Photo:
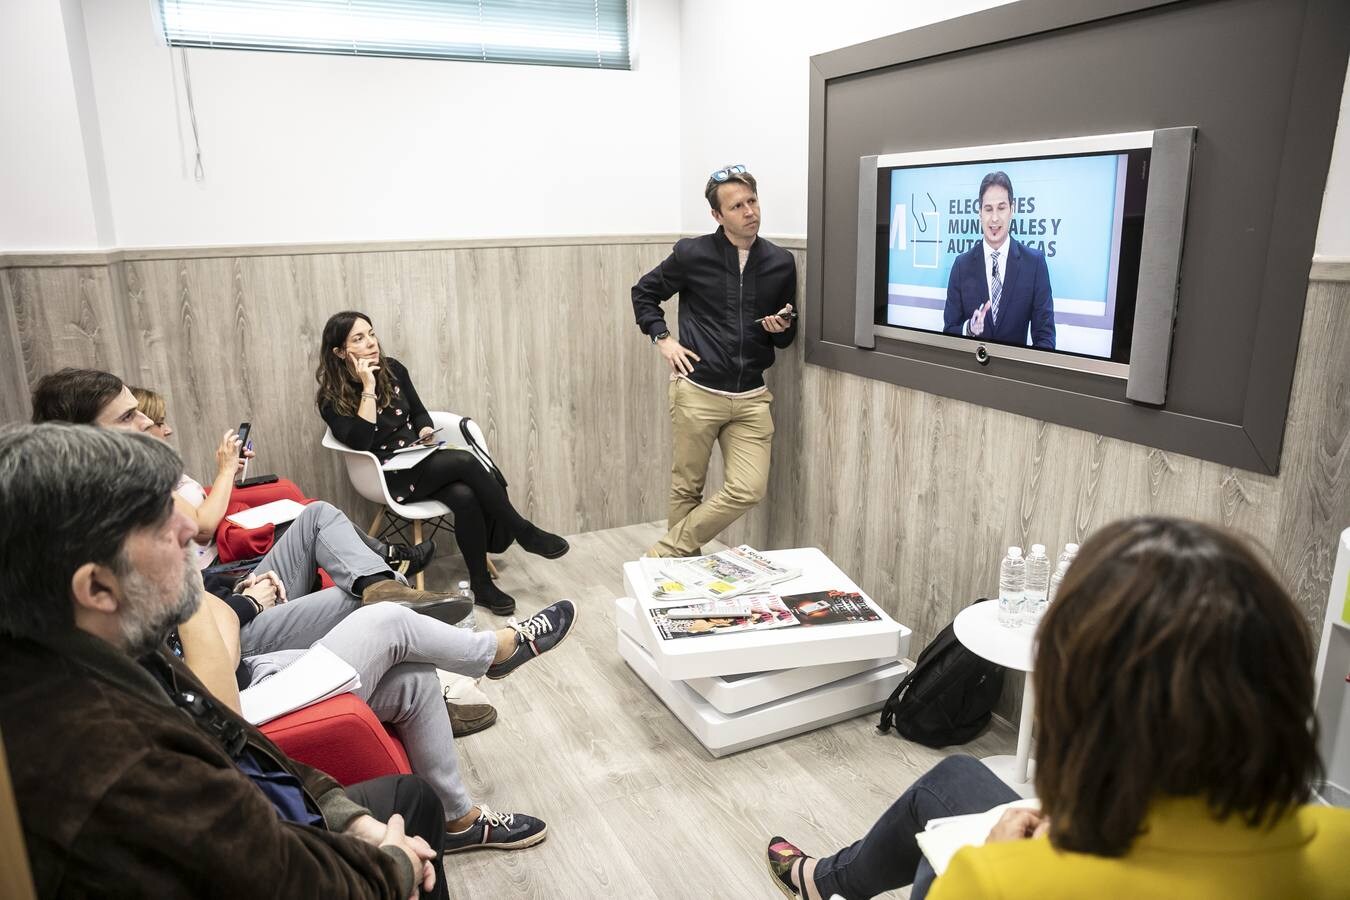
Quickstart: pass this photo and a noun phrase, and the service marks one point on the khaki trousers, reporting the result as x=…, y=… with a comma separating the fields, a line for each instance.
x=744, y=430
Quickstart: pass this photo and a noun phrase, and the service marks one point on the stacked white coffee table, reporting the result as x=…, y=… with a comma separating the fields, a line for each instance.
x=737, y=691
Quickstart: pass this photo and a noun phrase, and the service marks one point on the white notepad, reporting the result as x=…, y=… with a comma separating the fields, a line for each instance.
x=273, y=513
x=317, y=675
x=941, y=838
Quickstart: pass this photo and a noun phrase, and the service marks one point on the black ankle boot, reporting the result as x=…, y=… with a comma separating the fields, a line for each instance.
x=541, y=543
x=486, y=593
x=408, y=561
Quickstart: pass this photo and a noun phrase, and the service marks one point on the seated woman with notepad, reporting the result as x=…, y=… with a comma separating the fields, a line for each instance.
x=369, y=402
x=1175, y=748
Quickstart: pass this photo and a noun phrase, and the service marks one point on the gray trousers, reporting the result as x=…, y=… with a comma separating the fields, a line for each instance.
x=397, y=652
x=320, y=537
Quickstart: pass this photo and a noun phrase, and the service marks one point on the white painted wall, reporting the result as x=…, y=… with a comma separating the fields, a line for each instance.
x=746, y=78
x=300, y=147
x=47, y=197
x=97, y=149
x=746, y=82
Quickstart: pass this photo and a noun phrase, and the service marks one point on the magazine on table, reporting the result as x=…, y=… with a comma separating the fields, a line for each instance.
x=715, y=576
x=831, y=607
x=767, y=611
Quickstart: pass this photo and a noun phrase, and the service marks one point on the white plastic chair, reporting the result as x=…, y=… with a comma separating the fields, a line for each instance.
x=363, y=468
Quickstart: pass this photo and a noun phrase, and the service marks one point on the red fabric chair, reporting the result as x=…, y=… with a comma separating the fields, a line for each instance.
x=234, y=542
x=342, y=737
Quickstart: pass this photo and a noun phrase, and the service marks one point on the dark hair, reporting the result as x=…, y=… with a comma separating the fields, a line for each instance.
x=74, y=395
x=337, y=387
x=1170, y=664
x=996, y=179
x=70, y=495
x=710, y=189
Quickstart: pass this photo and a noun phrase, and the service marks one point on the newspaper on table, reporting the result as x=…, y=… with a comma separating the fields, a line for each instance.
x=767, y=611
x=716, y=576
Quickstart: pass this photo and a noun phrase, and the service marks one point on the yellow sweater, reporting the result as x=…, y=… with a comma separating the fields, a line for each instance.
x=1183, y=855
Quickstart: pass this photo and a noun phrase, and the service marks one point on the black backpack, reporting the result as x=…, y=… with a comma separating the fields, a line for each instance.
x=948, y=698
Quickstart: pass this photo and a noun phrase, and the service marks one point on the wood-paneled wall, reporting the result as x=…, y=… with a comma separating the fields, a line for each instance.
x=537, y=343
x=913, y=494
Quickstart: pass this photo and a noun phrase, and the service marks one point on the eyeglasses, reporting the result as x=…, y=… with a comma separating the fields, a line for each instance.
x=721, y=175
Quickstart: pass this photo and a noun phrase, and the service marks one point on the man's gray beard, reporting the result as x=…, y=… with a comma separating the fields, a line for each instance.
x=146, y=620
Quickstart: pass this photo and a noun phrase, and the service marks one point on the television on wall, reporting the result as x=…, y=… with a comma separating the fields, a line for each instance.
x=1062, y=252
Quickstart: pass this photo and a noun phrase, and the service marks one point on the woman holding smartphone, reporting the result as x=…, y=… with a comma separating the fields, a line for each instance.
x=369, y=402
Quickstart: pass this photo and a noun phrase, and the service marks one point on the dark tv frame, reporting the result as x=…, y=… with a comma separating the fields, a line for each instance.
x=1241, y=420
x=1159, y=260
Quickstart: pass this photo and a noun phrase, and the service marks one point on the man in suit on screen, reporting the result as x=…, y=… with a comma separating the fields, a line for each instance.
x=999, y=290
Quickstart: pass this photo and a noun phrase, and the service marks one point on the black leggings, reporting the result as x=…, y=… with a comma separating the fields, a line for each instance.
x=485, y=520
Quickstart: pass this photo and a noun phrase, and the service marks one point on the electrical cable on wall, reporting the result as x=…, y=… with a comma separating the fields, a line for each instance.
x=198, y=171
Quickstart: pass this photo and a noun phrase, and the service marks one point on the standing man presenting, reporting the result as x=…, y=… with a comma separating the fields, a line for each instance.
x=736, y=291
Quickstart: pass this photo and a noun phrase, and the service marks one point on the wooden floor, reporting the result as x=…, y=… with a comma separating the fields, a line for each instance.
x=635, y=806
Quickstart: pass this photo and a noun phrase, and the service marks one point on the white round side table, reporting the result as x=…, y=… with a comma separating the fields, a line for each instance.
x=977, y=628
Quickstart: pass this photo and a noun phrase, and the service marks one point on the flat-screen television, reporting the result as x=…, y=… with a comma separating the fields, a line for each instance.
x=1030, y=251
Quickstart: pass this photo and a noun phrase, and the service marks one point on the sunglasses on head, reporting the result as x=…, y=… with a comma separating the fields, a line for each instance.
x=723, y=174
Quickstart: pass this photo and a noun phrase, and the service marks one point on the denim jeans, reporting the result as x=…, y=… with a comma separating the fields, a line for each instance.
x=889, y=857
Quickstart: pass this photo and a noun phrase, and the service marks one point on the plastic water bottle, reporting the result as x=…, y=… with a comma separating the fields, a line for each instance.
x=470, y=621
x=1066, y=557
x=1055, y=580
x=1037, y=585
x=1012, y=581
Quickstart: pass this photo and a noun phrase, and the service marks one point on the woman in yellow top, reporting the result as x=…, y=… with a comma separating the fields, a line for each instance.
x=1175, y=747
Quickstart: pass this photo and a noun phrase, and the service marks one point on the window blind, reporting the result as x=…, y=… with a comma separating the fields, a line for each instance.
x=586, y=33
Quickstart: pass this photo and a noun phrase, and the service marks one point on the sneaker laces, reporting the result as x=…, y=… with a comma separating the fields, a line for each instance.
x=536, y=625
x=496, y=819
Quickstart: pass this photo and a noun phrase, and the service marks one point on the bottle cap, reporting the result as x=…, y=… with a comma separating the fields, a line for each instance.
x=1014, y=552
x=463, y=585
x=1038, y=548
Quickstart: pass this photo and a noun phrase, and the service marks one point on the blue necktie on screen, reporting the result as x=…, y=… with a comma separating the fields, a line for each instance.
x=995, y=290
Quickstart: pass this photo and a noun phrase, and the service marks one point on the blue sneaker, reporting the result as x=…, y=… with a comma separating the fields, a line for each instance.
x=537, y=635
x=497, y=831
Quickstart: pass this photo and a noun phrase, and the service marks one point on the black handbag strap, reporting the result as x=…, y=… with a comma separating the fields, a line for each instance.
x=480, y=451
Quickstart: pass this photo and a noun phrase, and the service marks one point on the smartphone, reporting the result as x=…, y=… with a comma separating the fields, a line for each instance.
x=791, y=314
x=243, y=431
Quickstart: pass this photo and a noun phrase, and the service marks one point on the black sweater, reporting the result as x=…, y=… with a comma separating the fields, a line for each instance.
x=395, y=426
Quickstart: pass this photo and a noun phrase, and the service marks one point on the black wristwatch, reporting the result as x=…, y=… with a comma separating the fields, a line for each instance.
x=660, y=337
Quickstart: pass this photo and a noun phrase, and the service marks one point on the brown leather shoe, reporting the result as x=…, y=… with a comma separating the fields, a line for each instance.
x=445, y=607
x=467, y=718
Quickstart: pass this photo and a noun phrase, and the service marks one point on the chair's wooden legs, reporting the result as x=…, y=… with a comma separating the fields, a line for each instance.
x=378, y=523
x=417, y=539
x=492, y=570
